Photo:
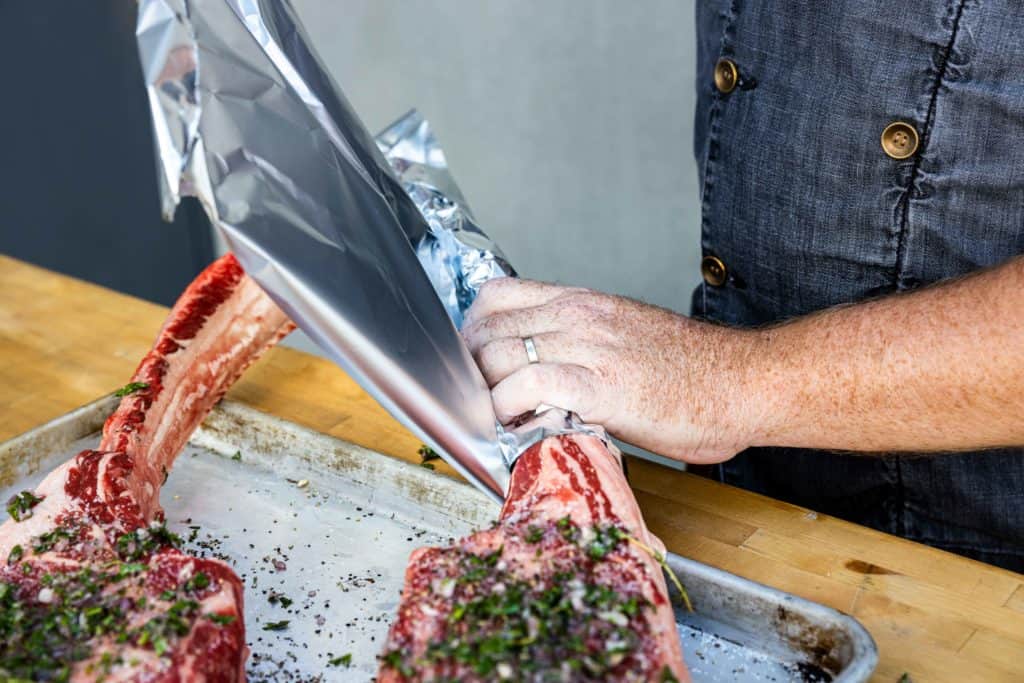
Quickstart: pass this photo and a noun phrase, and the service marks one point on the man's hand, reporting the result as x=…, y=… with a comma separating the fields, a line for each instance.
x=938, y=369
x=656, y=379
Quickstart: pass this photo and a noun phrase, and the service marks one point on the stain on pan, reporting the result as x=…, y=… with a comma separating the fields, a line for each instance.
x=824, y=644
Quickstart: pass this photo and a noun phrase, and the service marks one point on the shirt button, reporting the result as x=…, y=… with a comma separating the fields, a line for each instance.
x=899, y=140
x=726, y=75
x=713, y=270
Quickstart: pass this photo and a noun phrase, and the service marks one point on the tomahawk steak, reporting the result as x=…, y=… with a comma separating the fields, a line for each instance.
x=92, y=585
x=567, y=586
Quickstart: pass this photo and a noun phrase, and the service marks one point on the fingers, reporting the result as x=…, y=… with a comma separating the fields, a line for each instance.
x=525, y=322
x=571, y=387
x=507, y=310
x=501, y=357
x=508, y=294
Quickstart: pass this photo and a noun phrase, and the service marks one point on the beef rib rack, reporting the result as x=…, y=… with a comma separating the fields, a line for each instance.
x=92, y=585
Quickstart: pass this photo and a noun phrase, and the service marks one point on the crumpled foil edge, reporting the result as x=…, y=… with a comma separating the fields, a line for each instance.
x=459, y=258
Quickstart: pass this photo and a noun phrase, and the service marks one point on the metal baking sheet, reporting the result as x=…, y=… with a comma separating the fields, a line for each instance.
x=320, y=531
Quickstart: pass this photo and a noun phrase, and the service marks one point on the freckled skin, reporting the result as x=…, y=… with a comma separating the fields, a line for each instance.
x=937, y=369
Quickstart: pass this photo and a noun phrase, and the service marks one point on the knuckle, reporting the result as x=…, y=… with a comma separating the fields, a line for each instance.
x=534, y=382
x=490, y=355
x=606, y=369
x=573, y=297
x=488, y=292
x=485, y=327
x=605, y=304
x=566, y=375
x=586, y=301
x=493, y=325
x=603, y=330
x=532, y=379
x=569, y=308
x=495, y=284
x=471, y=334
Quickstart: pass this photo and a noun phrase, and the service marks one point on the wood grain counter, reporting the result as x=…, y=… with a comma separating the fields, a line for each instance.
x=936, y=616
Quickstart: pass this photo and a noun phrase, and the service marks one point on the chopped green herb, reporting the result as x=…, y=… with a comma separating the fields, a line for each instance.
x=142, y=543
x=20, y=505
x=222, y=619
x=237, y=455
x=905, y=678
x=276, y=625
x=503, y=627
x=427, y=454
x=131, y=388
x=54, y=538
x=15, y=555
x=43, y=638
x=427, y=465
x=606, y=539
x=569, y=531
x=175, y=622
x=107, y=662
x=396, y=660
x=344, y=660
x=276, y=598
x=129, y=569
x=198, y=582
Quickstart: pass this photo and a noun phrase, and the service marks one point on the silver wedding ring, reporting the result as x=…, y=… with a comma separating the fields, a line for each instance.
x=531, y=350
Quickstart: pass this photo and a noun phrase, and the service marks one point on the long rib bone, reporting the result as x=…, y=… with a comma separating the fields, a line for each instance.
x=94, y=586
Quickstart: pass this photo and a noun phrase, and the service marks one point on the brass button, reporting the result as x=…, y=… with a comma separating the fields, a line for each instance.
x=726, y=75
x=713, y=270
x=899, y=140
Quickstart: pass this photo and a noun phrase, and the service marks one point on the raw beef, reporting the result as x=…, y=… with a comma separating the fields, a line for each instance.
x=93, y=586
x=566, y=586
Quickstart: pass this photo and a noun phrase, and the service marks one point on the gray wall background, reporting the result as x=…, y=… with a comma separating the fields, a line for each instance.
x=567, y=124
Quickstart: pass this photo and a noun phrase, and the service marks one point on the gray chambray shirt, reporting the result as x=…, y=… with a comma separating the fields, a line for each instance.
x=849, y=149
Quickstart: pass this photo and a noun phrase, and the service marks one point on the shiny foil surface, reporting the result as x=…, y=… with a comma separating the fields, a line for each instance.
x=367, y=244
x=455, y=253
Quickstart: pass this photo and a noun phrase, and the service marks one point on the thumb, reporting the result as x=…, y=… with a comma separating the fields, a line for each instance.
x=571, y=387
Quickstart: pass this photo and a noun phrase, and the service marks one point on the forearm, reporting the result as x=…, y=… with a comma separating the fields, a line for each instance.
x=937, y=369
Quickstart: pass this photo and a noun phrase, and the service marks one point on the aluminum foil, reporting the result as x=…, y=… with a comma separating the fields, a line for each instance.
x=459, y=258
x=455, y=253
x=370, y=249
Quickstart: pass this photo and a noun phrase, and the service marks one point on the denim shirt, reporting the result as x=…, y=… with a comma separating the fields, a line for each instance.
x=806, y=210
